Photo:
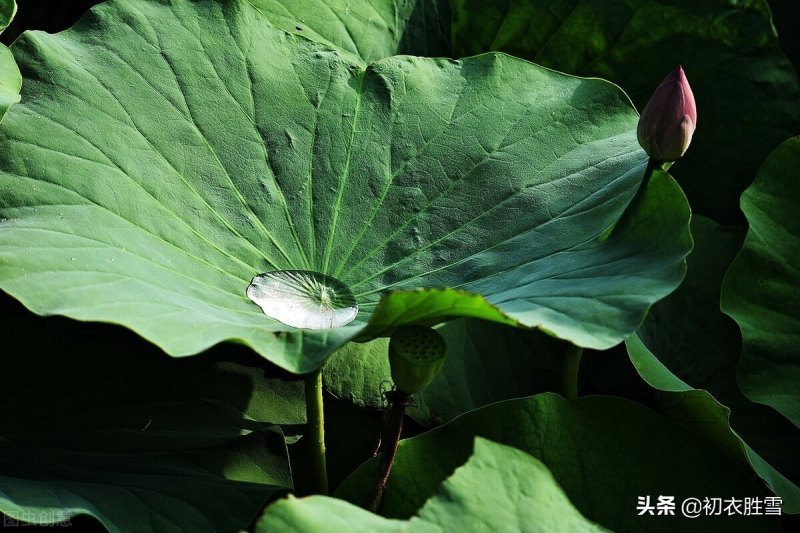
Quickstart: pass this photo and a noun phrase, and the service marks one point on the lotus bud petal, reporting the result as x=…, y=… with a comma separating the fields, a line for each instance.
x=669, y=119
x=416, y=355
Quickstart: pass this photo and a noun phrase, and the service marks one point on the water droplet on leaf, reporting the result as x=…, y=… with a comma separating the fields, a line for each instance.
x=303, y=299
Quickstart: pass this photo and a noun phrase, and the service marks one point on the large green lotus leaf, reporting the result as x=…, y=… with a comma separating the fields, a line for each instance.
x=369, y=31
x=489, y=362
x=762, y=287
x=166, y=153
x=486, y=362
x=747, y=93
x=746, y=90
x=498, y=487
x=136, y=439
x=10, y=79
x=604, y=452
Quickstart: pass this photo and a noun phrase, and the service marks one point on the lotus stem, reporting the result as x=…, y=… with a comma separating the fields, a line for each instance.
x=572, y=365
x=316, y=432
x=390, y=437
x=652, y=166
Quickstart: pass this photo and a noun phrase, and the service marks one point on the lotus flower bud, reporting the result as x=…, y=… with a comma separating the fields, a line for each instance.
x=416, y=355
x=669, y=119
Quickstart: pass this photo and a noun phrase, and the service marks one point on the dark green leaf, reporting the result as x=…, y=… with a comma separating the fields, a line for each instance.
x=762, y=288
x=351, y=437
x=700, y=411
x=687, y=330
x=687, y=343
x=138, y=440
x=8, y=8
x=604, y=452
x=486, y=362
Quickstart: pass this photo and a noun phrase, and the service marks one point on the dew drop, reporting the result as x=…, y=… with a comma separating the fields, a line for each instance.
x=303, y=299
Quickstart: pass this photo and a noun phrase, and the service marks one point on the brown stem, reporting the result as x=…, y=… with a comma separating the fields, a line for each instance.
x=390, y=437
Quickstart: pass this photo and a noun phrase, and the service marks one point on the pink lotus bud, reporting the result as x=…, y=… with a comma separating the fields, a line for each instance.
x=669, y=119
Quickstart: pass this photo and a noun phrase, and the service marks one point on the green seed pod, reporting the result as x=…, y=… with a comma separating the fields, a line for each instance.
x=416, y=355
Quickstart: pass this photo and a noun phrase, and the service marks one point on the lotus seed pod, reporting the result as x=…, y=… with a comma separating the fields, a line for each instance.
x=669, y=119
x=416, y=355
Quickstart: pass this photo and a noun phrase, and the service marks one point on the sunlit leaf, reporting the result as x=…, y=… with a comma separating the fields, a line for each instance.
x=747, y=92
x=164, y=155
x=369, y=31
x=498, y=487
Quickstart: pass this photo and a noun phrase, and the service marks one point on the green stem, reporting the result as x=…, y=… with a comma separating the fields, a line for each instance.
x=316, y=432
x=572, y=365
